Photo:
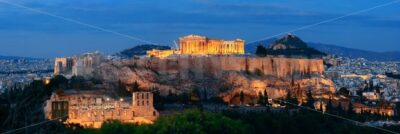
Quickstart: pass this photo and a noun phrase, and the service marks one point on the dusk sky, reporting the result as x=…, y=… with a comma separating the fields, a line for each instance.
x=27, y=33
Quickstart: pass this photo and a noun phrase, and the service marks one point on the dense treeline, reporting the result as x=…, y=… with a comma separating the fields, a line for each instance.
x=141, y=50
x=298, y=122
x=392, y=75
x=23, y=107
x=188, y=122
x=228, y=122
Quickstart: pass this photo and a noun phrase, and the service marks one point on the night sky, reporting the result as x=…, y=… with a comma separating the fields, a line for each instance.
x=27, y=33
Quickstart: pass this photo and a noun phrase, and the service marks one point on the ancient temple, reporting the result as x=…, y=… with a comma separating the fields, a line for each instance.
x=201, y=45
x=195, y=44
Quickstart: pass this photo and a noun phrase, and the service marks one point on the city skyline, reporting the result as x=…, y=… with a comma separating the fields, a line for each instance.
x=26, y=33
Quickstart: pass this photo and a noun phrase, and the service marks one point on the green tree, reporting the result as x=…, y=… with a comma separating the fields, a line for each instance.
x=291, y=100
x=261, y=98
x=158, y=101
x=266, y=97
x=259, y=72
x=339, y=108
x=205, y=96
x=350, y=109
x=188, y=122
x=344, y=91
x=77, y=82
x=321, y=107
x=310, y=100
x=196, y=121
x=241, y=97
x=57, y=82
x=261, y=51
x=329, y=106
x=397, y=109
x=135, y=87
x=195, y=95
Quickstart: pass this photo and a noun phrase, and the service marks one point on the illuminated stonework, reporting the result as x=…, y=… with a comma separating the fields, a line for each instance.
x=63, y=65
x=195, y=44
x=90, y=109
x=161, y=53
x=81, y=65
x=201, y=45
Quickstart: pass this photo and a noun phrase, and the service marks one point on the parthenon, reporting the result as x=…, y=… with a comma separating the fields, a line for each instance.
x=201, y=45
x=195, y=44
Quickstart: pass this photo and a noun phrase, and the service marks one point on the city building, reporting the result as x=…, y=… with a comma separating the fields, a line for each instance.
x=63, y=65
x=18, y=73
x=91, y=108
x=201, y=45
x=86, y=63
x=161, y=53
x=81, y=65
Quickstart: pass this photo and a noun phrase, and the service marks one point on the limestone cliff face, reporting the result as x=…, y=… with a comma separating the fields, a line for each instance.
x=116, y=71
x=275, y=88
x=215, y=66
x=223, y=76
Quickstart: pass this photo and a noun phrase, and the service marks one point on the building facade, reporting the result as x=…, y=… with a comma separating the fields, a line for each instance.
x=161, y=53
x=201, y=45
x=90, y=108
x=86, y=63
x=63, y=65
x=81, y=65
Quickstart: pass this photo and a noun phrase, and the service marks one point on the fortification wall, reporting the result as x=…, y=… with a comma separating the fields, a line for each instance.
x=272, y=66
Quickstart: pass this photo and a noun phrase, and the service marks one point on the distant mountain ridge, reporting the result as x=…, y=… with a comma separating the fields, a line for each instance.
x=336, y=50
x=356, y=53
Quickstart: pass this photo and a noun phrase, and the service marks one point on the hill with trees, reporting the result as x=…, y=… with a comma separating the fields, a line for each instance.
x=289, y=46
x=140, y=50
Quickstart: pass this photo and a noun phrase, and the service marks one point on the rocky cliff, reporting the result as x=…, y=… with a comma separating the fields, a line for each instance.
x=223, y=76
x=216, y=66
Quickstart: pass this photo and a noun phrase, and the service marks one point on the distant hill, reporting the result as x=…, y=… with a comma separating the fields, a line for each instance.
x=289, y=46
x=288, y=41
x=336, y=50
x=252, y=47
x=356, y=53
x=140, y=50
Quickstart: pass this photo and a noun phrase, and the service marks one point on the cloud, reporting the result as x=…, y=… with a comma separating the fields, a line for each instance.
x=181, y=14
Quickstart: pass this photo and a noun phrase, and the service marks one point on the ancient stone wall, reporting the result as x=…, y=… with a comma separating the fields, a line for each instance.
x=200, y=66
